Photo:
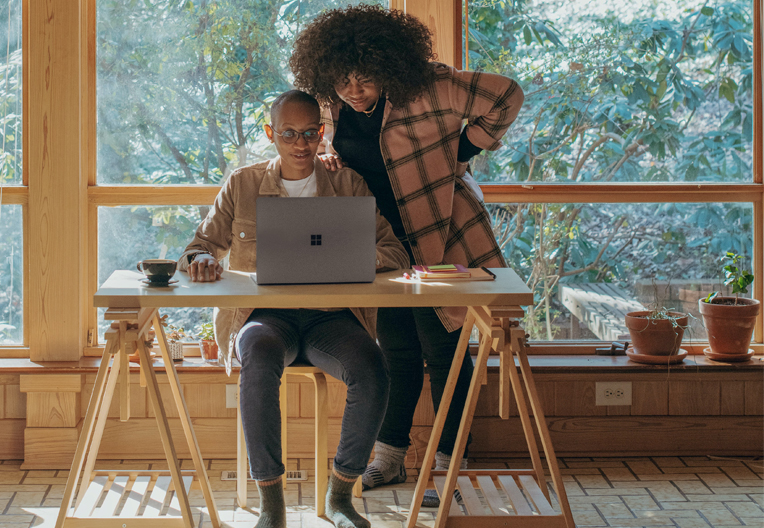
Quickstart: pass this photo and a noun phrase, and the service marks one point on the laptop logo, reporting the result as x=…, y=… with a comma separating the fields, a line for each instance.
x=315, y=240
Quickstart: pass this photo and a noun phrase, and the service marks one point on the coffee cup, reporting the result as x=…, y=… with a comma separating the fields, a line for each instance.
x=158, y=271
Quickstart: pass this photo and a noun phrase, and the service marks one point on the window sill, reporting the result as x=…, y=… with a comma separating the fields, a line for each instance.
x=540, y=364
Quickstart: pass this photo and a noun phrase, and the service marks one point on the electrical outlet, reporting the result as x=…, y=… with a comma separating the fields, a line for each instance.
x=231, y=396
x=613, y=393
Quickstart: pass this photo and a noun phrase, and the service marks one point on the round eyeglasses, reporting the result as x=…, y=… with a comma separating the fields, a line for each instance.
x=291, y=136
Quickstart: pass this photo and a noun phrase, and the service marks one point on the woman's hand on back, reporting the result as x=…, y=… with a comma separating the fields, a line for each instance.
x=204, y=268
x=332, y=162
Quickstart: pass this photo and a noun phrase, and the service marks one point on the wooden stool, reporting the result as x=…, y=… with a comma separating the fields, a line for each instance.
x=514, y=498
x=134, y=488
x=321, y=429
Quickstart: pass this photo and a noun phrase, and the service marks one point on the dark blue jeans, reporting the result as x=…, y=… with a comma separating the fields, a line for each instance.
x=410, y=337
x=337, y=344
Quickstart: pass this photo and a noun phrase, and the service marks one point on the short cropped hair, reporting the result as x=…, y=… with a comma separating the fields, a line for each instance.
x=293, y=96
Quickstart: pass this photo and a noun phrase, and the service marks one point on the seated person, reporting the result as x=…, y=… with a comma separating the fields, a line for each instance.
x=339, y=341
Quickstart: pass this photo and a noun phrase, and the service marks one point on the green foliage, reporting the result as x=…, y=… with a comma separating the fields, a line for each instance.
x=652, y=93
x=206, y=332
x=734, y=275
x=740, y=279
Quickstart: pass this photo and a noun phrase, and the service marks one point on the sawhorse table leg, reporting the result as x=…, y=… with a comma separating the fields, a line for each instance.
x=526, y=492
x=150, y=489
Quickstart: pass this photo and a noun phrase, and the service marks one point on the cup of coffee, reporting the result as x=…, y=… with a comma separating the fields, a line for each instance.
x=158, y=271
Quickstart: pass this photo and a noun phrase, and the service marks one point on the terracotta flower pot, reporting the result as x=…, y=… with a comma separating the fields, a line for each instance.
x=729, y=326
x=656, y=337
x=209, y=349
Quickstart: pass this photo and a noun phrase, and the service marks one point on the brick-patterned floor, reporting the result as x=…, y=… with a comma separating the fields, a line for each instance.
x=685, y=492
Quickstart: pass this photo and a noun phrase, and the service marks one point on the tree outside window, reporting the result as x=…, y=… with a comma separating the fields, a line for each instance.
x=635, y=92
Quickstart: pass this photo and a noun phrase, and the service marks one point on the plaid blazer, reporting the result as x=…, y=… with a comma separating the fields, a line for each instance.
x=444, y=221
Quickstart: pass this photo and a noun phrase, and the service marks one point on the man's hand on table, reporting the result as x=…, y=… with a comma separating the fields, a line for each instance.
x=204, y=268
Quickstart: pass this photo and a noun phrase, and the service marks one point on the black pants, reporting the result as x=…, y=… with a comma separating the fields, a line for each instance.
x=409, y=337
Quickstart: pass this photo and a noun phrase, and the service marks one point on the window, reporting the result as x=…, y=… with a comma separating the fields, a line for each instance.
x=626, y=102
x=183, y=92
x=11, y=174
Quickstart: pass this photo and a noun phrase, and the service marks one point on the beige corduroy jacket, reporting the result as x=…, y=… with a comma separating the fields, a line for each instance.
x=230, y=229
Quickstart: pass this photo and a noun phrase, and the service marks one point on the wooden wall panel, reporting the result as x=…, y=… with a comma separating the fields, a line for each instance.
x=15, y=402
x=626, y=436
x=50, y=383
x=53, y=409
x=293, y=399
x=547, y=391
x=732, y=400
x=49, y=448
x=207, y=400
x=337, y=394
x=488, y=403
x=618, y=410
x=754, y=398
x=138, y=401
x=424, y=414
x=2, y=402
x=169, y=403
x=576, y=398
x=694, y=398
x=648, y=429
x=12, y=439
x=649, y=398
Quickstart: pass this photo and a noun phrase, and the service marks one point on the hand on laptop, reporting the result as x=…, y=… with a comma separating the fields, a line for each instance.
x=204, y=268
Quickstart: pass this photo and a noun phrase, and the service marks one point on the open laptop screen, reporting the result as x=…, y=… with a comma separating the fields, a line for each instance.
x=324, y=239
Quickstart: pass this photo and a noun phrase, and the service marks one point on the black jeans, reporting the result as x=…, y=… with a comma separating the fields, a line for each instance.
x=409, y=337
x=337, y=344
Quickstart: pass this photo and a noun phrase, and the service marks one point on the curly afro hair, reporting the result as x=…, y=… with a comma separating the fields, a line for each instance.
x=391, y=49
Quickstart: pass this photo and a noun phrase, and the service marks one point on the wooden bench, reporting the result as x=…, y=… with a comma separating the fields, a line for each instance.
x=601, y=306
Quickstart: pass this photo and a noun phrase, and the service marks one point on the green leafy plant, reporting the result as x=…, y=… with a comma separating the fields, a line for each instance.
x=206, y=332
x=738, y=278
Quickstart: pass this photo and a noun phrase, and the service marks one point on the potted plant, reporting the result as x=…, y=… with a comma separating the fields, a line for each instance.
x=656, y=332
x=729, y=321
x=207, y=344
x=174, y=336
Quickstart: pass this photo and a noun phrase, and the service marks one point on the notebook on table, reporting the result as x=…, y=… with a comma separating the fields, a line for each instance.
x=323, y=239
x=451, y=273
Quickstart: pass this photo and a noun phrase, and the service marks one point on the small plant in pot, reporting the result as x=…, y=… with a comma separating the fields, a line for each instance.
x=657, y=332
x=207, y=344
x=175, y=338
x=730, y=321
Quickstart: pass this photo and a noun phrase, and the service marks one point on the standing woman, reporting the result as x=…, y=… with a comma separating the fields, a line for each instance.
x=398, y=119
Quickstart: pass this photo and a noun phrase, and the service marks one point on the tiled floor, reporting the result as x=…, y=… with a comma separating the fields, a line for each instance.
x=687, y=492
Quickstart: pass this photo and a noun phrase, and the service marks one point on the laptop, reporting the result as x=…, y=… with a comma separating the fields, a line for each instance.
x=323, y=239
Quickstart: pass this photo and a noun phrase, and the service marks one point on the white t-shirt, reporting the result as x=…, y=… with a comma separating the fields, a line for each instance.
x=301, y=188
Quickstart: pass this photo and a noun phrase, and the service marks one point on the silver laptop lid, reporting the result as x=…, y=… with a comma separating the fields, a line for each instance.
x=315, y=240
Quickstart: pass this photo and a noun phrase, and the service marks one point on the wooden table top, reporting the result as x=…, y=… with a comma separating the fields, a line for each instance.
x=124, y=289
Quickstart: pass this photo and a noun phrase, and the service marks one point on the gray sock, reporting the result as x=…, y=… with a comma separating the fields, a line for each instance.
x=388, y=466
x=442, y=461
x=339, y=504
x=272, y=506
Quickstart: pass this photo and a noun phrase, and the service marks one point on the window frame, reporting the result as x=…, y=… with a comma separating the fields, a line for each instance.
x=45, y=339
